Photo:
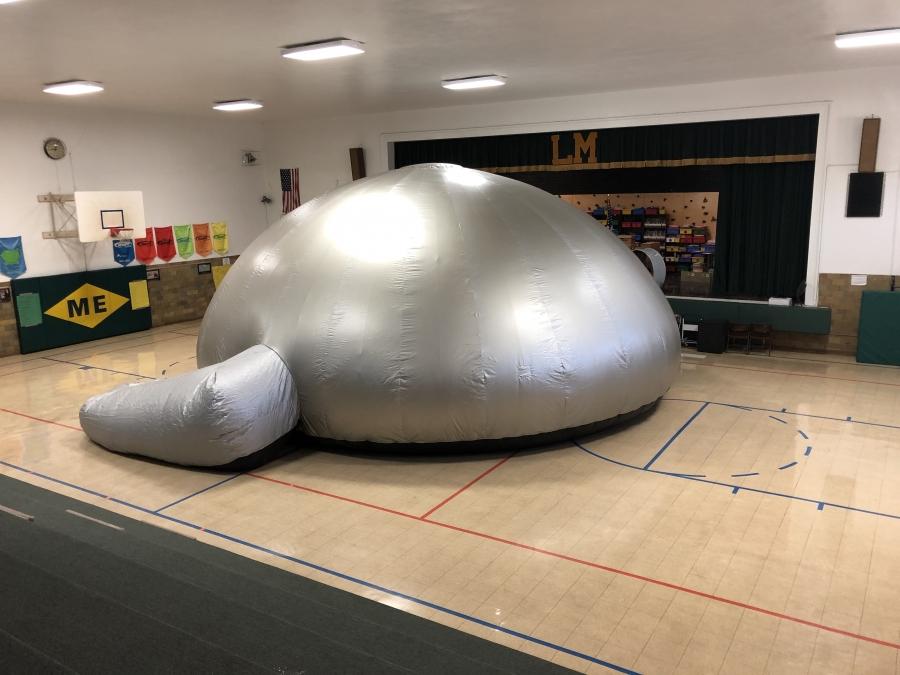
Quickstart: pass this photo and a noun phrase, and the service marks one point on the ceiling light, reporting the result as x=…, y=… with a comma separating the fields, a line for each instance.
x=325, y=49
x=239, y=104
x=869, y=38
x=72, y=87
x=477, y=82
x=7, y=2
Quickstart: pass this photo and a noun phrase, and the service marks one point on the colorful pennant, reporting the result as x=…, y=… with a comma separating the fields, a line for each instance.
x=165, y=243
x=202, y=240
x=184, y=240
x=145, y=248
x=220, y=237
x=123, y=251
x=12, y=257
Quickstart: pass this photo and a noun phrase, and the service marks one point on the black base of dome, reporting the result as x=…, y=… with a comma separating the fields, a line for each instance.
x=298, y=440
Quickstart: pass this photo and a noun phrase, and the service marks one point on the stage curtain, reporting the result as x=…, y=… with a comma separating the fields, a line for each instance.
x=721, y=142
x=763, y=230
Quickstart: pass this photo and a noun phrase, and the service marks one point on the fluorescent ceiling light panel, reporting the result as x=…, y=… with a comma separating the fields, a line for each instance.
x=869, y=38
x=325, y=49
x=238, y=105
x=477, y=82
x=7, y=2
x=72, y=87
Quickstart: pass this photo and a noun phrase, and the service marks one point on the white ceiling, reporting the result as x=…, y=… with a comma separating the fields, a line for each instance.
x=180, y=55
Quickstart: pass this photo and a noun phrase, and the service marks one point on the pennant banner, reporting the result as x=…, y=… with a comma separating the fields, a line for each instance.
x=145, y=248
x=123, y=251
x=184, y=240
x=220, y=237
x=202, y=240
x=12, y=257
x=165, y=242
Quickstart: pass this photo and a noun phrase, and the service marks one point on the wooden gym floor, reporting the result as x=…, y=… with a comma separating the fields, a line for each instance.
x=750, y=524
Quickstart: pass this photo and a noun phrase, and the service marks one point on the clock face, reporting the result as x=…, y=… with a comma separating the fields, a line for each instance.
x=54, y=148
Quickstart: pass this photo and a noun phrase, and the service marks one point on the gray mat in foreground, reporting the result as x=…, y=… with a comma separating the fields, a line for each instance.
x=76, y=596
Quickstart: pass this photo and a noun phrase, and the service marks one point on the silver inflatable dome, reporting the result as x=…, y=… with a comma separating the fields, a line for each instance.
x=431, y=304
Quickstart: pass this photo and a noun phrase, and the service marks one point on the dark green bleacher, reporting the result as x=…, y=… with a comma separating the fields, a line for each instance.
x=795, y=319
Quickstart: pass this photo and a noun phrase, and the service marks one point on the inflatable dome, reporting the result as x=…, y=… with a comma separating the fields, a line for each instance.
x=428, y=305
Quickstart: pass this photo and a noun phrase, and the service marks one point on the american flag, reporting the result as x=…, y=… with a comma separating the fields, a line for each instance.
x=290, y=189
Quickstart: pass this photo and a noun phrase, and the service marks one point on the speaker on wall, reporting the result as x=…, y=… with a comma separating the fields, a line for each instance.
x=357, y=163
x=865, y=194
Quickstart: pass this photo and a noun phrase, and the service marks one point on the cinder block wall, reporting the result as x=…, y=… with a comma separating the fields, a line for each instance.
x=181, y=294
x=9, y=337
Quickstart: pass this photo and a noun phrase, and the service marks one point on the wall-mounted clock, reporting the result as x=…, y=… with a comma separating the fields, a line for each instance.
x=54, y=148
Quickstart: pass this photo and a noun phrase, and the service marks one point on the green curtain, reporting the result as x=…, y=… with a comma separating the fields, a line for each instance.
x=758, y=137
x=762, y=233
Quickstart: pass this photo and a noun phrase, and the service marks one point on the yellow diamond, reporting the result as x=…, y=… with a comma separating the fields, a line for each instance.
x=87, y=306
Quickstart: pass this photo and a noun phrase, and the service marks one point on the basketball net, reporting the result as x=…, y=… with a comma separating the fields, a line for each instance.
x=121, y=233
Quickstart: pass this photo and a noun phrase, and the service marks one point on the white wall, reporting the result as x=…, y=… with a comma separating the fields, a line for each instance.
x=189, y=170
x=843, y=99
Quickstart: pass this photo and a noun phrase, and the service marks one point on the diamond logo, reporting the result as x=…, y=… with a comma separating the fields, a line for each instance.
x=87, y=306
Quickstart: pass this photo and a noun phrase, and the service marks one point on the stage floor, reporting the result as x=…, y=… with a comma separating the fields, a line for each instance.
x=751, y=523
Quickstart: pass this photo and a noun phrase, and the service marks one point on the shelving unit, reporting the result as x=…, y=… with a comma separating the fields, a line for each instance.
x=688, y=252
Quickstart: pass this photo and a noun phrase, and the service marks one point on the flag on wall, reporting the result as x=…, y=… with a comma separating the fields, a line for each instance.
x=184, y=240
x=145, y=248
x=290, y=189
x=202, y=241
x=123, y=251
x=12, y=257
x=165, y=242
x=220, y=237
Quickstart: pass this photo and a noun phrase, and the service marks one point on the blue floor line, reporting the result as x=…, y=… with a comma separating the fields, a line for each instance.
x=788, y=412
x=108, y=370
x=198, y=492
x=777, y=419
x=675, y=436
x=787, y=466
x=732, y=486
x=742, y=475
x=335, y=573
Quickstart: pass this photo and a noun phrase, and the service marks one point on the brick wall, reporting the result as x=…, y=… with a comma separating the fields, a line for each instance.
x=180, y=294
x=9, y=336
x=836, y=292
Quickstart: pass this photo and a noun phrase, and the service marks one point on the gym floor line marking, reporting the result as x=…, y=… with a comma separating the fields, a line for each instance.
x=119, y=345
x=677, y=434
x=846, y=507
x=483, y=535
x=580, y=561
x=688, y=423
x=341, y=575
x=108, y=370
x=787, y=372
x=39, y=419
x=78, y=514
x=787, y=412
x=198, y=492
x=17, y=514
x=467, y=486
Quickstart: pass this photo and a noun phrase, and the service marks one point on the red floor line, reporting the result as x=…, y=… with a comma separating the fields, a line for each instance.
x=588, y=563
x=333, y=496
x=39, y=419
x=785, y=372
x=467, y=486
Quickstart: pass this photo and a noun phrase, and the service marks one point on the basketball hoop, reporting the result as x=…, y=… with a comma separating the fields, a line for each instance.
x=121, y=233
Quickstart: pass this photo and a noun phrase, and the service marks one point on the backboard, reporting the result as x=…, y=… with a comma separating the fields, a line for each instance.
x=102, y=214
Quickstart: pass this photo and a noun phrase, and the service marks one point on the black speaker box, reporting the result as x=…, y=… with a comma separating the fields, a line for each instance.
x=865, y=195
x=712, y=337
